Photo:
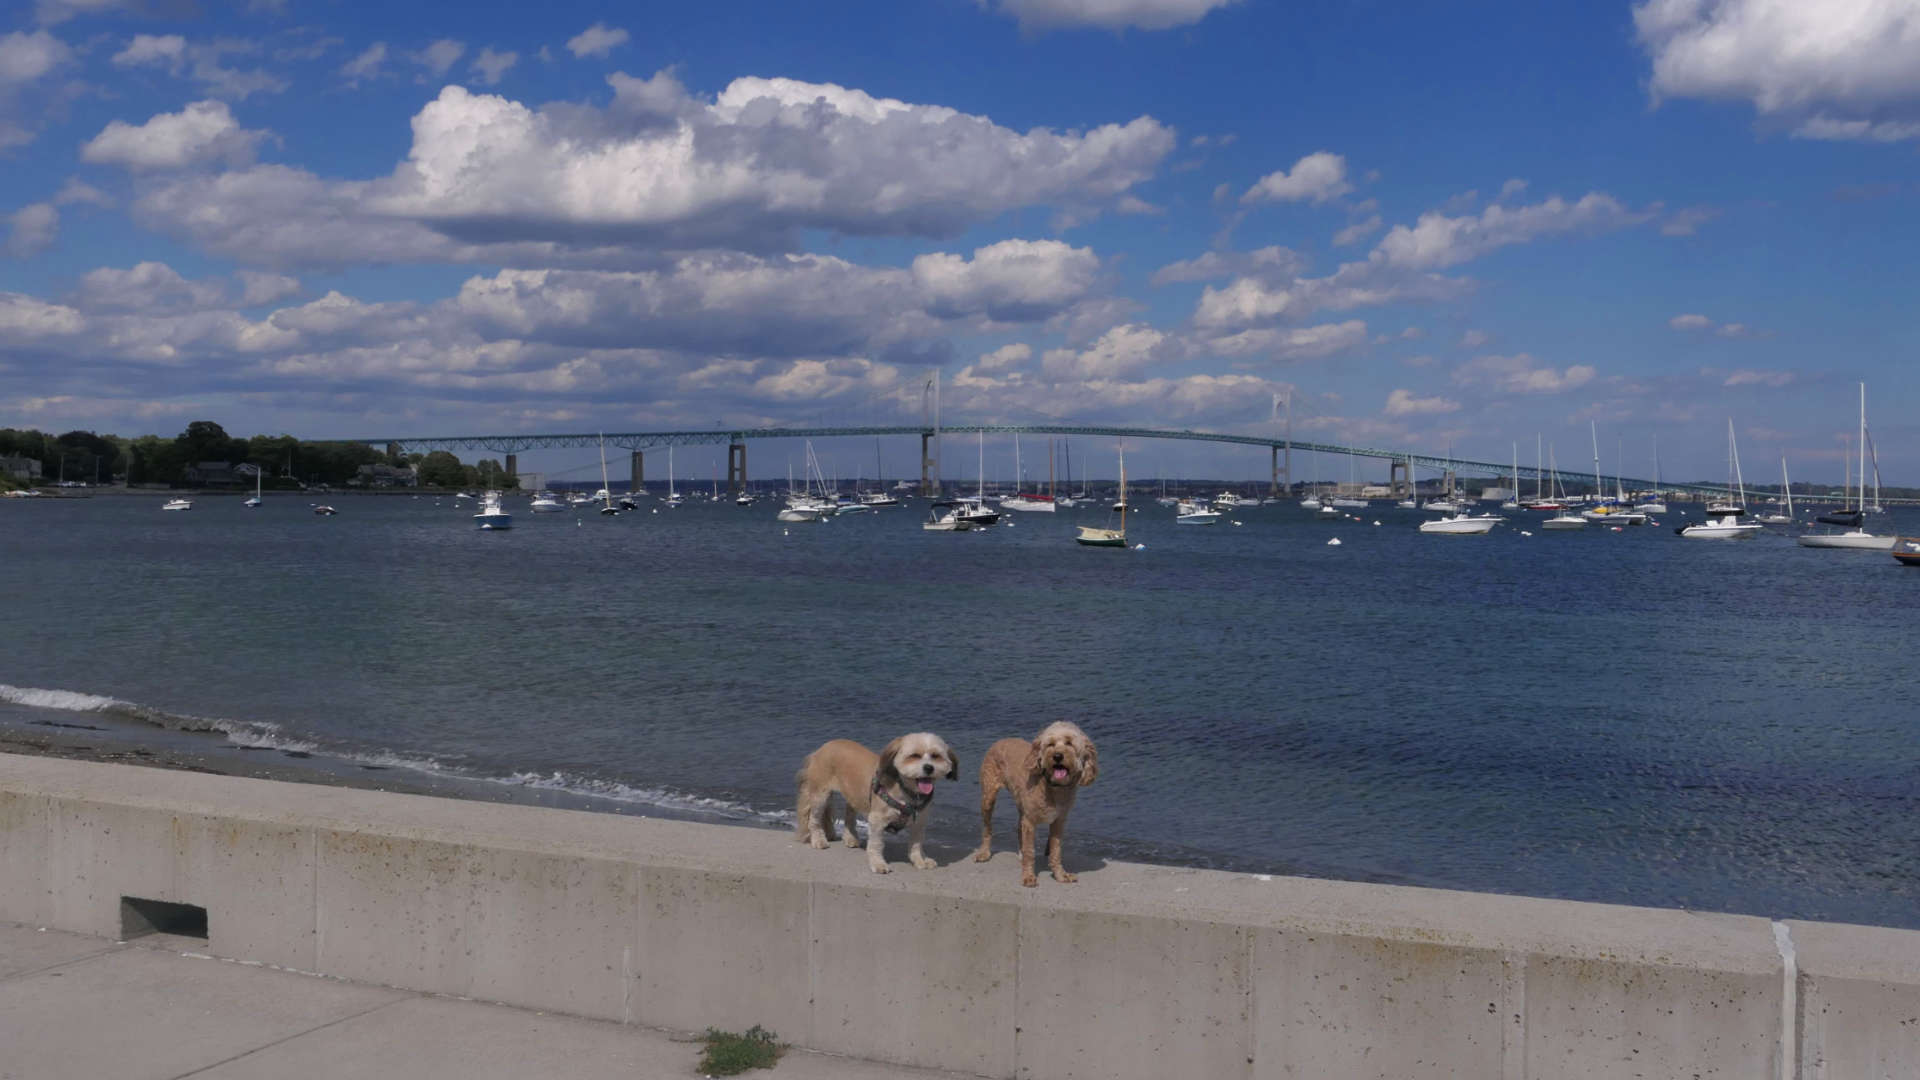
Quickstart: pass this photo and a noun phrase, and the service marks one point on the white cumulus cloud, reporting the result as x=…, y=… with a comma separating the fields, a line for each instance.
x=1437, y=241
x=202, y=132
x=31, y=229
x=1403, y=403
x=1521, y=374
x=1108, y=14
x=1315, y=178
x=1827, y=69
x=596, y=40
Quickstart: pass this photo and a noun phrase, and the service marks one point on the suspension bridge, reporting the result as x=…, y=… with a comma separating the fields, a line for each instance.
x=639, y=443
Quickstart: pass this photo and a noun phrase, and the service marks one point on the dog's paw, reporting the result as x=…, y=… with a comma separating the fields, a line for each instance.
x=924, y=863
x=1029, y=880
x=880, y=868
x=853, y=841
x=1065, y=878
x=982, y=855
x=817, y=843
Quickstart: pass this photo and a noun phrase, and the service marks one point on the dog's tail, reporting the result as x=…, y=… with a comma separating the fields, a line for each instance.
x=801, y=811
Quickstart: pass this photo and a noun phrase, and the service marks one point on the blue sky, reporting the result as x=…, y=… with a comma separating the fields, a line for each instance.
x=1430, y=224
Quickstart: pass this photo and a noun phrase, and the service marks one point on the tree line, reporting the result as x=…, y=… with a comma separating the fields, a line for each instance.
x=284, y=460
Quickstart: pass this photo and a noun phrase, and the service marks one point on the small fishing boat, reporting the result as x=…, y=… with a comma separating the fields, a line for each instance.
x=1461, y=525
x=177, y=504
x=491, y=516
x=324, y=510
x=1188, y=512
x=1906, y=550
x=951, y=521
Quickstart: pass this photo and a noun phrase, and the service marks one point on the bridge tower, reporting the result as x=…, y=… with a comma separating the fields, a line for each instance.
x=637, y=472
x=513, y=464
x=1400, y=473
x=929, y=464
x=736, y=466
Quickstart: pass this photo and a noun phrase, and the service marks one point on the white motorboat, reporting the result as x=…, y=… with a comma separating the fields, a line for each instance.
x=1407, y=504
x=1328, y=511
x=1461, y=525
x=545, y=503
x=1188, y=512
x=1309, y=503
x=324, y=510
x=1028, y=502
x=950, y=521
x=1564, y=521
x=177, y=504
x=1856, y=538
x=1443, y=505
x=491, y=516
x=1228, y=500
x=878, y=499
x=1723, y=518
x=1352, y=504
x=803, y=509
x=1723, y=523
x=975, y=512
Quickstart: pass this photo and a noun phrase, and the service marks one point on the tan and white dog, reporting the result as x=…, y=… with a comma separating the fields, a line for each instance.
x=1043, y=775
x=891, y=789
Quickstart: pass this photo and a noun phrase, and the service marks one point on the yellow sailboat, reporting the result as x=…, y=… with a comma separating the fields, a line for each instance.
x=1093, y=537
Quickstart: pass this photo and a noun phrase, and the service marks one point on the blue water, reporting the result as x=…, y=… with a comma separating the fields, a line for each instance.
x=1627, y=717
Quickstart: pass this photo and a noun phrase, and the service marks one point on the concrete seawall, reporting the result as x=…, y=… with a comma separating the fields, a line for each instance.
x=1137, y=971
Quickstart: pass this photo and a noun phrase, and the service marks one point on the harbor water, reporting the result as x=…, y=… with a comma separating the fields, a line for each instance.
x=1617, y=716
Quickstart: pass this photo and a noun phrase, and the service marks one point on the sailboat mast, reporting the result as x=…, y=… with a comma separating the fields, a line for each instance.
x=1863, y=448
x=1123, y=493
x=1539, y=478
x=1051, y=492
x=1593, y=434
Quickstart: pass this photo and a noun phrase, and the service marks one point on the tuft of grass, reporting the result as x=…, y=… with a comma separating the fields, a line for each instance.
x=728, y=1054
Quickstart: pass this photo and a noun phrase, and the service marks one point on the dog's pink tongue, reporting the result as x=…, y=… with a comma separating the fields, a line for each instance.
x=1059, y=772
x=925, y=786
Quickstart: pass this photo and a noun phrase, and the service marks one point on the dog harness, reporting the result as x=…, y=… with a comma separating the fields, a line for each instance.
x=907, y=811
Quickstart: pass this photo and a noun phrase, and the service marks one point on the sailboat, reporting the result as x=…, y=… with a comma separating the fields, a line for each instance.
x=1857, y=538
x=1311, y=500
x=1786, y=489
x=1723, y=518
x=607, y=509
x=1351, y=501
x=878, y=496
x=1069, y=501
x=254, y=502
x=1566, y=519
x=673, y=497
x=1654, y=504
x=1513, y=497
x=1029, y=501
x=973, y=509
x=1089, y=536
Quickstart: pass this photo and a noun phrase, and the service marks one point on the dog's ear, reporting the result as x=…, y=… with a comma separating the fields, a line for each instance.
x=1033, y=767
x=889, y=770
x=1089, y=762
x=953, y=764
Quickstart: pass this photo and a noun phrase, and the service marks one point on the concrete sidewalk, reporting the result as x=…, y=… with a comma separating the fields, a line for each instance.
x=84, y=1008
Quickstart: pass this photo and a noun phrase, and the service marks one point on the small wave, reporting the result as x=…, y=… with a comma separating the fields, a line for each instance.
x=614, y=791
x=238, y=732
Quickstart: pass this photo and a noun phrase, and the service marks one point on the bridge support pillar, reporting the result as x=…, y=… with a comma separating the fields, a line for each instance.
x=1273, y=483
x=637, y=472
x=513, y=464
x=929, y=464
x=736, y=467
x=1400, y=480
x=393, y=451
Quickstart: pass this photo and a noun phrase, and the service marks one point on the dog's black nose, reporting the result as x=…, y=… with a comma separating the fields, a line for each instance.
x=926, y=769
x=1058, y=758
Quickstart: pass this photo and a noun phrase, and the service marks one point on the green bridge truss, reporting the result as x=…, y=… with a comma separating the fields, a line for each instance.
x=652, y=440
